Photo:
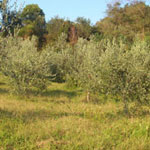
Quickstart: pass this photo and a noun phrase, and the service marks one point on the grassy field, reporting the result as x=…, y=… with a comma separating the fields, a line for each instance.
x=61, y=119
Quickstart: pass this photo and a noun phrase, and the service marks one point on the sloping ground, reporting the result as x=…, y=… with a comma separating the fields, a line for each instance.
x=61, y=120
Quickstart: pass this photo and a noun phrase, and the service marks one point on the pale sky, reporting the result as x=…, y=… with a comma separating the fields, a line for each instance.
x=71, y=9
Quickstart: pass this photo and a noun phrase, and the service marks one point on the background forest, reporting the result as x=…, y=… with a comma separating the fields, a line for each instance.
x=125, y=21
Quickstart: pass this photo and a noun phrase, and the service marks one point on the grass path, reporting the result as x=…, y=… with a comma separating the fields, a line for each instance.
x=61, y=120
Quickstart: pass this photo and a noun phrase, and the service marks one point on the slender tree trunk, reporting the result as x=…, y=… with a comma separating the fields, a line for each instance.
x=88, y=96
x=126, y=110
x=143, y=33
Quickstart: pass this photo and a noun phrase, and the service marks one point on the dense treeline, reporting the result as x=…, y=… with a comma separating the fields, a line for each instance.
x=110, y=58
x=128, y=22
x=125, y=22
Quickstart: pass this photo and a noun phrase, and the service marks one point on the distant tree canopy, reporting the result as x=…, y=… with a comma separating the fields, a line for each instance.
x=129, y=21
x=84, y=27
x=80, y=28
x=32, y=13
x=33, y=20
x=10, y=18
x=56, y=26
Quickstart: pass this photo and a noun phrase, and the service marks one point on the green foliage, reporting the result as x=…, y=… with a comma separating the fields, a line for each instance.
x=23, y=65
x=83, y=64
x=27, y=31
x=111, y=68
x=60, y=50
x=33, y=19
x=31, y=13
x=106, y=67
x=10, y=18
x=126, y=72
x=84, y=28
x=129, y=21
x=55, y=27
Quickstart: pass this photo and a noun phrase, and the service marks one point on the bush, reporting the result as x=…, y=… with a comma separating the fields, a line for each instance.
x=23, y=65
x=81, y=65
x=60, y=51
x=110, y=68
x=126, y=73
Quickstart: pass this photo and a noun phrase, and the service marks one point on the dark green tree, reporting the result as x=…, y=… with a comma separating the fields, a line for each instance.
x=10, y=18
x=84, y=27
x=55, y=27
x=34, y=23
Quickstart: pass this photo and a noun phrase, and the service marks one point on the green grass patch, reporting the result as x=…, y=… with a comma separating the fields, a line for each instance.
x=60, y=119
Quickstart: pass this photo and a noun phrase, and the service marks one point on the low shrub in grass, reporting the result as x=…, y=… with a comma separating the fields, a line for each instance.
x=23, y=65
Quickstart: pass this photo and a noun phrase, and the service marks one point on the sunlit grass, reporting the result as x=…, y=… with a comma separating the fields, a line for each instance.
x=60, y=119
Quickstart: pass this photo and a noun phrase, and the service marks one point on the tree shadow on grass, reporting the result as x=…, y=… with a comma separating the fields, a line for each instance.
x=44, y=115
x=2, y=83
x=61, y=93
x=133, y=113
x=121, y=114
x=52, y=93
x=5, y=114
x=3, y=91
x=31, y=116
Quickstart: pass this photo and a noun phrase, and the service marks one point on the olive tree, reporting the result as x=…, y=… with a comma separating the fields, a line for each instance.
x=126, y=73
x=23, y=65
x=81, y=65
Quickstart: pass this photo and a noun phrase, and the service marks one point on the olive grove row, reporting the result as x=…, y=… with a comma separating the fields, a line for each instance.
x=105, y=67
